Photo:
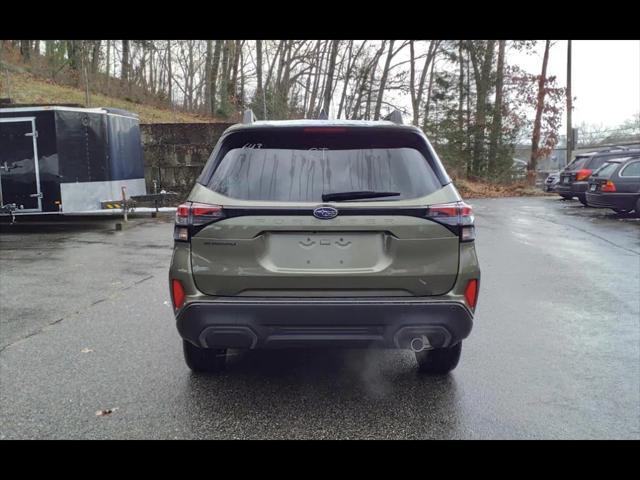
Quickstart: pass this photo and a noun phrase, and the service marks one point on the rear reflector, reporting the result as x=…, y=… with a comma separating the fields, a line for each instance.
x=468, y=233
x=471, y=293
x=608, y=187
x=177, y=294
x=182, y=234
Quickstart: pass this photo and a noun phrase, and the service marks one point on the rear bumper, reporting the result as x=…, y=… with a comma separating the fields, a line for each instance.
x=620, y=201
x=318, y=322
x=576, y=189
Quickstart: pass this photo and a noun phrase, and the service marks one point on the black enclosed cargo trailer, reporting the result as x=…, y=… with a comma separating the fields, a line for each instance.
x=67, y=160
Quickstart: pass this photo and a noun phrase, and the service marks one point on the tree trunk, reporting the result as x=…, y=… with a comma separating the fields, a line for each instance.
x=72, y=53
x=350, y=64
x=95, y=56
x=207, y=77
x=25, y=49
x=124, y=75
x=330, y=73
x=383, y=81
x=224, y=78
x=461, y=95
x=425, y=122
x=316, y=80
x=233, y=90
x=482, y=59
x=259, y=97
x=496, y=126
x=535, y=137
x=416, y=94
x=108, y=67
x=214, y=75
x=169, y=74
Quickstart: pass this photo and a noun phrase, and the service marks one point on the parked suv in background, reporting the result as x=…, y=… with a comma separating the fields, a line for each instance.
x=318, y=233
x=616, y=185
x=574, y=179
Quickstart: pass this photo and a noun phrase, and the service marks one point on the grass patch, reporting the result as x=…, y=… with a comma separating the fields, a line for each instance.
x=24, y=87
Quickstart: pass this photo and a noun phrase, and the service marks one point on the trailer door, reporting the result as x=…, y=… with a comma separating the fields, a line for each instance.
x=19, y=173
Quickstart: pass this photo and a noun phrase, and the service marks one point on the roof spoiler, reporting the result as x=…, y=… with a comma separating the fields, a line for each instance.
x=248, y=116
x=395, y=117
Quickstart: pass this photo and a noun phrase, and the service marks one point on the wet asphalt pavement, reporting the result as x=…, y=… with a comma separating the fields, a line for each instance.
x=85, y=325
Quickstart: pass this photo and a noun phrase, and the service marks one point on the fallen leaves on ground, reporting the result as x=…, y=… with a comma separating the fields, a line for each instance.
x=106, y=411
x=477, y=189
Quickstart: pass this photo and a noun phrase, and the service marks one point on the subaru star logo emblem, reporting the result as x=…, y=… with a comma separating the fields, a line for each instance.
x=325, y=213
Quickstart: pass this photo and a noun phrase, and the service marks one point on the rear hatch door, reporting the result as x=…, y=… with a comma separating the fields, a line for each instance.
x=272, y=244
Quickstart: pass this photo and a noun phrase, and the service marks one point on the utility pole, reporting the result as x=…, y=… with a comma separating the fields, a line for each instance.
x=570, y=138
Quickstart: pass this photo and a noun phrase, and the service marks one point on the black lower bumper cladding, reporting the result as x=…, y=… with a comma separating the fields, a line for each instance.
x=272, y=323
x=617, y=201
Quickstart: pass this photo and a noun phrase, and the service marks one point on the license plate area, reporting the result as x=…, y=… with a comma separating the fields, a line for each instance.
x=593, y=187
x=325, y=252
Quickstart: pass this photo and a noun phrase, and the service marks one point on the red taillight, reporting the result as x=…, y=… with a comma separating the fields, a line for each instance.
x=450, y=210
x=177, y=294
x=471, y=293
x=583, y=174
x=203, y=210
x=609, y=186
x=195, y=214
x=190, y=215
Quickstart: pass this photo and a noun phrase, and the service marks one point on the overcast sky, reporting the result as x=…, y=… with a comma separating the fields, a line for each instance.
x=605, y=77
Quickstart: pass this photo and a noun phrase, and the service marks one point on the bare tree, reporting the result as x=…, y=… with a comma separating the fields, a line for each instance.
x=535, y=137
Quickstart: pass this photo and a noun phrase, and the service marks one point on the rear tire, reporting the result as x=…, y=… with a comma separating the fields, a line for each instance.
x=583, y=201
x=439, y=361
x=566, y=197
x=620, y=210
x=205, y=360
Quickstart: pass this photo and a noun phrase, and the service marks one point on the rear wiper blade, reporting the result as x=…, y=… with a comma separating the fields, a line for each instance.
x=328, y=197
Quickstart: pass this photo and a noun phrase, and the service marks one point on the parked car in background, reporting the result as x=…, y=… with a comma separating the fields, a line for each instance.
x=518, y=170
x=551, y=182
x=616, y=185
x=574, y=179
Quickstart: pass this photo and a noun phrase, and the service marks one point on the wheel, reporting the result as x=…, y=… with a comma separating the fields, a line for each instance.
x=583, y=201
x=439, y=361
x=566, y=197
x=208, y=360
x=620, y=210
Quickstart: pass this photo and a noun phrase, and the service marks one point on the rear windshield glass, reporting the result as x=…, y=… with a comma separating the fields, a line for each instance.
x=308, y=166
x=578, y=163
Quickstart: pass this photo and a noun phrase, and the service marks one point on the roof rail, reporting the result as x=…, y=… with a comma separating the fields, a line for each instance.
x=323, y=115
x=248, y=116
x=395, y=117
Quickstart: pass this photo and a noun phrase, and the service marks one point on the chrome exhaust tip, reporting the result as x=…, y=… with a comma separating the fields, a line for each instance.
x=418, y=344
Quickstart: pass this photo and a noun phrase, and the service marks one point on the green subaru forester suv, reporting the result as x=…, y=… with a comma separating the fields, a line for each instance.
x=321, y=233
